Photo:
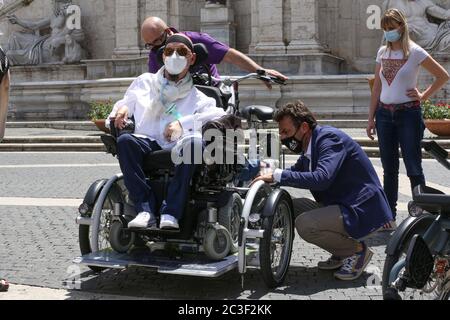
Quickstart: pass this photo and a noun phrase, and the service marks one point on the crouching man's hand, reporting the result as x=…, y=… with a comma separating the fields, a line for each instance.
x=173, y=131
x=267, y=178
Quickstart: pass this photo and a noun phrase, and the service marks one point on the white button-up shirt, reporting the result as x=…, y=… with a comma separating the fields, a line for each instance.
x=151, y=117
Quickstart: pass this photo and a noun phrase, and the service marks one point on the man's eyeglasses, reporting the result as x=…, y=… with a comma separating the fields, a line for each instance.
x=160, y=41
x=183, y=52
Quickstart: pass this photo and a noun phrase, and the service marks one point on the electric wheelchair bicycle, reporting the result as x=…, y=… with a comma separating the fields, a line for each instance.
x=418, y=255
x=225, y=225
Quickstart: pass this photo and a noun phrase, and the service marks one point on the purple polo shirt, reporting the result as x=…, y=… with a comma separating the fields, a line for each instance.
x=216, y=52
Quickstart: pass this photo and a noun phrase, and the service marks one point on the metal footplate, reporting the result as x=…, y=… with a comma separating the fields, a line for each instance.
x=188, y=265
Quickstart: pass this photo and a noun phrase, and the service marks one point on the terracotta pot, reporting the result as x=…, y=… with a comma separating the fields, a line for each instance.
x=371, y=83
x=439, y=127
x=101, y=125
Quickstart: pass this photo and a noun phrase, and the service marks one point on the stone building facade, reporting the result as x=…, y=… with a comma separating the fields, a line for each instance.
x=336, y=28
x=326, y=47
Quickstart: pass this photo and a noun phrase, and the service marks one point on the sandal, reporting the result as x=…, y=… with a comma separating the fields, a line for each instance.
x=4, y=285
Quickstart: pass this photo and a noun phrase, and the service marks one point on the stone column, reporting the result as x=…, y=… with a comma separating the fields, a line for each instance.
x=127, y=29
x=304, y=27
x=218, y=21
x=157, y=8
x=268, y=31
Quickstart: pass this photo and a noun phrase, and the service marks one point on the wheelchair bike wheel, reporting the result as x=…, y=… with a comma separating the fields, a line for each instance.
x=276, y=247
x=217, y=243
x=103, y=221
x=229, y=216
x=121, y=240
x=445, y=293
x=391, y=291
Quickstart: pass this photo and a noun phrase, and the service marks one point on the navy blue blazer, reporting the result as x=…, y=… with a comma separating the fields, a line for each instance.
x=342, y=174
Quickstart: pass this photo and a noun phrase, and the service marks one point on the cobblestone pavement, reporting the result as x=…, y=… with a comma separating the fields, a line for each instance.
x=39, y=243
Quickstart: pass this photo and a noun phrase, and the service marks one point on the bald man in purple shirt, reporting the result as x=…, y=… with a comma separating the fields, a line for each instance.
x=155, y=32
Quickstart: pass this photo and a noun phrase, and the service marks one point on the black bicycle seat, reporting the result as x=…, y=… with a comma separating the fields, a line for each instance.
x=263, y=113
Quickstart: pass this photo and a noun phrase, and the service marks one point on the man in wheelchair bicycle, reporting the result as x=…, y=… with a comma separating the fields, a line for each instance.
x=211, y=223
x=166, y=106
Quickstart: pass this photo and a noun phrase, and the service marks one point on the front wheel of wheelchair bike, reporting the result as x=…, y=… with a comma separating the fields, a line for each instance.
x=275, y=248
x=229, y=216
x=391, y=292
x=121, y=240
x=217, y=243
x=85, y=233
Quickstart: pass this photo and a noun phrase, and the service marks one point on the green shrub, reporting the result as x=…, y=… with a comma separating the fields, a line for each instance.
x=100, y=109
x=436, y=111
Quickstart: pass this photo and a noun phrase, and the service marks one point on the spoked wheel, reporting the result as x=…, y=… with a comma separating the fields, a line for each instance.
x=276, y=247
x=396, y=290
x=230, y=216
x=100, y=226
x=445, y=293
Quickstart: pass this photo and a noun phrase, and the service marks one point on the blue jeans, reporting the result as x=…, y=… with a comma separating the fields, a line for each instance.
x=131, y=152
x=404, y=128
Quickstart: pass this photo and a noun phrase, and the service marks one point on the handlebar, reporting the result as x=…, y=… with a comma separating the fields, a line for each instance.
x=437, y=152
x=259, y=75
x=433, y=200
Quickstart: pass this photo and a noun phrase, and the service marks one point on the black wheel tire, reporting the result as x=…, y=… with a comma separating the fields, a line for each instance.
x=270, y=279
x=121, y=240
x=217, y=249
x=85, y=246
x=84, y=231
x=392, y=259
x=229, y=216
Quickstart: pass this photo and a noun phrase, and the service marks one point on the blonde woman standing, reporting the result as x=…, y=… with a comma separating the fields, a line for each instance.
x=395, y=110
x=4, y=91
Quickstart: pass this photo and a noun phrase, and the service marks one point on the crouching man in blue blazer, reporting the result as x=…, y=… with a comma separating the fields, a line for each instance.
x=350, y=201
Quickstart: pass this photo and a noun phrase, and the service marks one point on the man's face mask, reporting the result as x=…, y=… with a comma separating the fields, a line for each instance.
x=175, y=63
x=294, y=144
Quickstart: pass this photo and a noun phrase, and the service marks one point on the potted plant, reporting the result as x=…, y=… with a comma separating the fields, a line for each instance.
x=437, y=117
x=98, y=113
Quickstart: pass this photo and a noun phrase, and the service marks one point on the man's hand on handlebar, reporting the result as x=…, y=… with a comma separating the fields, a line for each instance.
x=280, y=78
x=267, y=178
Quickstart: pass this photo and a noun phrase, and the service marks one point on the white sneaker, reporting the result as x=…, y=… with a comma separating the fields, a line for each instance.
x=142, y=220
x=168, y=222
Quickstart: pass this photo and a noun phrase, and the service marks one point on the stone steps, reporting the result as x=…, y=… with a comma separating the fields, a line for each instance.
x=94, y=144
x=59, y=125
x=52, y=147
x=330, y=119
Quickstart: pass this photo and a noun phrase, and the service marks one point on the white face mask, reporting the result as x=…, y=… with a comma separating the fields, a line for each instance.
x=175, y=64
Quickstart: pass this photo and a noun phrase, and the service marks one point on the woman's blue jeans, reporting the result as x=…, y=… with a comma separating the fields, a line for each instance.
x=404, y=128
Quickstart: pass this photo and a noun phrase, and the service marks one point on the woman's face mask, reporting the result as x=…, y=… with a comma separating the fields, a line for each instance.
x=175, y=64
x=393, y=35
